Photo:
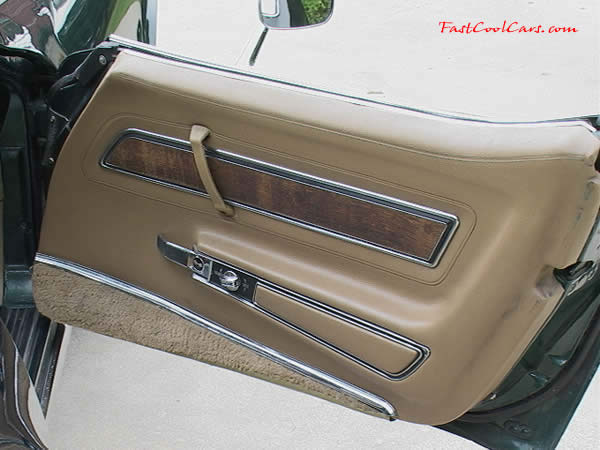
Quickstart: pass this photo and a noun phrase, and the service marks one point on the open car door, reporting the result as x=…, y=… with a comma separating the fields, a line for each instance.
x=393, y=261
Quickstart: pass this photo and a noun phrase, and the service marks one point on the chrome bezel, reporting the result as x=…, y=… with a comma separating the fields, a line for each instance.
x=261, y=12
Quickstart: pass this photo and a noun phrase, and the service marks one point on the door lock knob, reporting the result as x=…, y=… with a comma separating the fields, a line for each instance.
x=230, y=280
x=198, y=264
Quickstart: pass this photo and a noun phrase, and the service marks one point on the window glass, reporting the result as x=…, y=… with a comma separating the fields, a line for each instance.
x=395, y=52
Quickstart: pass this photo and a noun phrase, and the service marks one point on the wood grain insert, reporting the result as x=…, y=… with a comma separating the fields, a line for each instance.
x=393, y=229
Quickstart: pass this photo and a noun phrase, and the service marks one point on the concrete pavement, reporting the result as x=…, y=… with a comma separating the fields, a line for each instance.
x=114, y=394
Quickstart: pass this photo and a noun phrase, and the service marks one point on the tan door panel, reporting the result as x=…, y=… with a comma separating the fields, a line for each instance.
x=376, y=350
x=341, y=202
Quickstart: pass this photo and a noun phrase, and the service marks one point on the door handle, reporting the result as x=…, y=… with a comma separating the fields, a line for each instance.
x=197, y=137
x=210, y=271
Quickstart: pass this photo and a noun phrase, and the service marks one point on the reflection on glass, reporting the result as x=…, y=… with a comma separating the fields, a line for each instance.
x=317, y=11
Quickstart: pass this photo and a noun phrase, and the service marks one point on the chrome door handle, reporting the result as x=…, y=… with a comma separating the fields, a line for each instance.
x=210, y=271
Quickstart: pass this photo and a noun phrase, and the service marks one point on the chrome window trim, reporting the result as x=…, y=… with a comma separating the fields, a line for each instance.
x=450, y=220
x=156, y=52
x=366, y=397
x=180, y=255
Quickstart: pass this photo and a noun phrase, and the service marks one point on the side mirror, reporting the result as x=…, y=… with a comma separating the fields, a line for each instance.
x=282, y=14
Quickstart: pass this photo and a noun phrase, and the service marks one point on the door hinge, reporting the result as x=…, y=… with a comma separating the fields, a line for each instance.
x=81, y=74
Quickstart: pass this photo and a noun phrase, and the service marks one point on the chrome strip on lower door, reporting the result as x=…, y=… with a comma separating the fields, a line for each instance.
x=360, y=394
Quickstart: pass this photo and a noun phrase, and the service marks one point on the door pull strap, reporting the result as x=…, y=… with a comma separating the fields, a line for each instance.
x=197, y=138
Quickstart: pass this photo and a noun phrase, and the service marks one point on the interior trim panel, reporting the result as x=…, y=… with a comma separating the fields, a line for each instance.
x=390, y=225
x=372, y=400
x=477, y=310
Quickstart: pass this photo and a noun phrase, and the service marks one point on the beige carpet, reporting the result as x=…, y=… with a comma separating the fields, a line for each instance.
x=75, y=300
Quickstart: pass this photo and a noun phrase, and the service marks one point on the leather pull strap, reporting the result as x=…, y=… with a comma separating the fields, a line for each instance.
x=197, y=137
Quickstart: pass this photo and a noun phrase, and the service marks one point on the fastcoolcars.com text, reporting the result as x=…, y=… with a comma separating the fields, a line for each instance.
x=506, y=27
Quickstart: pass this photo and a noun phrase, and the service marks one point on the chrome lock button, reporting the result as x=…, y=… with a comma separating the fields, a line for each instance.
x=198, y=264
x=230, y=280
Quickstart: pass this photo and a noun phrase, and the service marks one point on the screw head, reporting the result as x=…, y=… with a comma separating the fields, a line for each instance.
x=102, y=60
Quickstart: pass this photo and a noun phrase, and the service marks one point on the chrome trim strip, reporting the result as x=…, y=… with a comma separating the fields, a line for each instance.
x=422, y=351
x=151, y=50
x=178, y=254
x=369, y=399
x=450, y=220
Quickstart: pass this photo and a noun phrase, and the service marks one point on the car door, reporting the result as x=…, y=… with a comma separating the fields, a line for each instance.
x=393, y=261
